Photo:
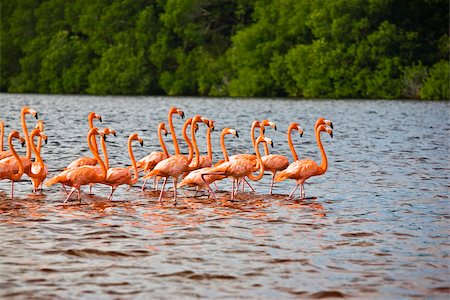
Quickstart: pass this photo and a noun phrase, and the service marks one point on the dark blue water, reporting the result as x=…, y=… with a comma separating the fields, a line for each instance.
x=378, y=228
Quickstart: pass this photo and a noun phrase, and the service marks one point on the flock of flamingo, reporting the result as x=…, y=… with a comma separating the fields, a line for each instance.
x=194, y=170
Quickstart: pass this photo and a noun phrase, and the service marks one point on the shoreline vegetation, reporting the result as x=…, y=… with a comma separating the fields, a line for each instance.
x=338, y=49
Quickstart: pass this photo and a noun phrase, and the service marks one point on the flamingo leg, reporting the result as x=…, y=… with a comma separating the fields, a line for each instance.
x=271, y=183
x=90, y=188
x=162, y=190
x=112, y=191
x=143, y=186
x=70, y=194
x=196, y=191
x=175, y=182
x=215, y=185
x=232, y=188
x=293, y=191
x=245, y=181
x=209, y=188
x=64, y=188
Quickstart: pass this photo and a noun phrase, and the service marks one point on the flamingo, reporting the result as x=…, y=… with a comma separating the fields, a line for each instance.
x=118, y=176
x=85, y=160
x=105, y=131
x=3, y=153
x=150, y=161
x=194, y=178
x=38, y=167
x=174, y=110
x=77, y=177
x=238, y=169
x=301, y=170
x=276, y=162
x=178, y=164
x=26, y=160
x=252, y=157
x=7, y=170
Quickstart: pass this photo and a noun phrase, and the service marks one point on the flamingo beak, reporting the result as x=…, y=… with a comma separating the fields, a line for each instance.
x=45, y=141
x=331, y=134
x=36, y=115
x=275, y=127
x=181, y=114
x=237, y=134
x=141, y=142
x=100, y=119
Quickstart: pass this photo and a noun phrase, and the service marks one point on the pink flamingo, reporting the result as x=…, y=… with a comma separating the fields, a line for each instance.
x=8, y=170
x=238, y=169
x=301, y=170
x=276, y=162
x=26, y=160
x=178, y=164
x=77, y=177
x=86, y=160
x=38, y=167
x=118, y=176
x=194, y=178
x=174, y=110
x=150, y=161
x=3, y=153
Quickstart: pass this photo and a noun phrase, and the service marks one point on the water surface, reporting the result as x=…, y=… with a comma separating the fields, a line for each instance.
x=378, y=228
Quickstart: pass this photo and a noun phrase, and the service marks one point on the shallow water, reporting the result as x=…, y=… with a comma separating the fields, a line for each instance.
x=378, y=228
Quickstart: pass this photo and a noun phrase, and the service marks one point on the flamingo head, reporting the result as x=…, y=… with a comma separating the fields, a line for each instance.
x=180, y=112
x=323, y=121
x=107, y=131
x=27, y=110
x=136, y=137
x=263, y=139
x=325, y=128
x=15, y=134
x=269, y=123
x=92, y=115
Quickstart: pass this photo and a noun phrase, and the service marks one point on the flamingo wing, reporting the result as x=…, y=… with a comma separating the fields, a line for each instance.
x=118, y=176
x=82, y=161
x=274, y=162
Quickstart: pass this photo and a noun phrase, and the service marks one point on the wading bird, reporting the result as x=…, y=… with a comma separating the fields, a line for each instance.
x=7, y=169
x=301, y=170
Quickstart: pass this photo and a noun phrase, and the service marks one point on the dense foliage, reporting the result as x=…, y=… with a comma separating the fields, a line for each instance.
x=295, y=48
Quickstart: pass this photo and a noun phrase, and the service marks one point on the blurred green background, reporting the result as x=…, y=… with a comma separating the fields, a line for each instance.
x=386, y=49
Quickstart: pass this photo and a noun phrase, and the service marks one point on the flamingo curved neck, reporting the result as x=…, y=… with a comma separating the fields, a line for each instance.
x=194, y=142
x=172, y=132
x=18, y=175
x=261, y=165
x=291, y=145
x=105, y=152
x=161, y=142
x=208, y=143
x=94, y=151
x=25, y=133
x=222, y=145
x=188, y=141
x=252, y=131
x=324, y=164
x=133, y=162
x=37, y=154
